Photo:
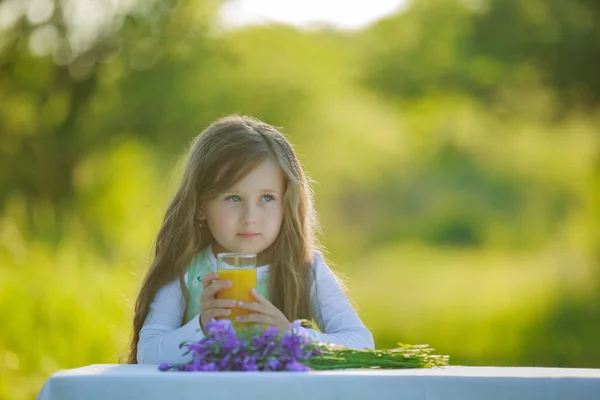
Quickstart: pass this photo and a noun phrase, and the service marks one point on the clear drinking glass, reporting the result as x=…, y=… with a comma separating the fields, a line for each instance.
x=240, y=269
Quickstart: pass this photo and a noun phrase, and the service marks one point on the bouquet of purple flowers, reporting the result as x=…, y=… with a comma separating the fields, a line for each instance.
x=225, y=349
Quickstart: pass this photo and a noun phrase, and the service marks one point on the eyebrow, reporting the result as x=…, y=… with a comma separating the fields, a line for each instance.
x=261, y=190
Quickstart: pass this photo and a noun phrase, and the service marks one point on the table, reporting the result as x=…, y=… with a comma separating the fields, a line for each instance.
x=122, y=381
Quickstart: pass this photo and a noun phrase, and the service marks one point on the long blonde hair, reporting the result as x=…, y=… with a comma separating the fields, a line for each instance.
x=218, y=158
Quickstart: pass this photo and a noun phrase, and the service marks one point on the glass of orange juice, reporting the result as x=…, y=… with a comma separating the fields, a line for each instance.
x=240, y=269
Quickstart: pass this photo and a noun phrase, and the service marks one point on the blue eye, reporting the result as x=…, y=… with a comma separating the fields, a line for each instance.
x=267, y=198
x=234, y=199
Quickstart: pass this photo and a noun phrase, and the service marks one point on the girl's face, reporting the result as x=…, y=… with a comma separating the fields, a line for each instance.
x=247, y=217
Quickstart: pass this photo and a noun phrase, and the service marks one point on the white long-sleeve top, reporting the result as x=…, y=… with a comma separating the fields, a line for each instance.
x=162, y=332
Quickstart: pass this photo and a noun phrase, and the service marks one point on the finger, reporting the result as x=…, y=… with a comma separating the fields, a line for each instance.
x=257, y=318
x=220, y=312
x=252, y=306
x=208, y=279
x=259, y=299
x=211, y=290
x=217, y=312
x=219, y=303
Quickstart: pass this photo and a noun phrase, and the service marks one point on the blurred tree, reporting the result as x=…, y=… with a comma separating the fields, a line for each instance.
x=418, y=51
x=484, y=46
x=67, y=68
x=455, y=200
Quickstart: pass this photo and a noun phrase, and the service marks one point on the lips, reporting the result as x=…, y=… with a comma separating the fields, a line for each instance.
x=248, y=235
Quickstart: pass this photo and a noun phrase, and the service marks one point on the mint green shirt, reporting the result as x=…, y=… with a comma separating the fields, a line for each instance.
x=205, y=262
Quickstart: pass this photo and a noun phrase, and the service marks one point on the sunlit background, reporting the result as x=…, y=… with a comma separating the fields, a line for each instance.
x=454, y=145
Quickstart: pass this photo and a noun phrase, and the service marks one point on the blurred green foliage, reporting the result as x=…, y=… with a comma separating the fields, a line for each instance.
x=454, y=146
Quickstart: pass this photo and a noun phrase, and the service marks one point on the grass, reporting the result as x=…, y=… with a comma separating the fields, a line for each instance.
x=476, y=306
x=60, y=314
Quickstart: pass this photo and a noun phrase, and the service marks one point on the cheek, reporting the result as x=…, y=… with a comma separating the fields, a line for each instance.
x=220, y=214
x=276, y=215
x=221, y=211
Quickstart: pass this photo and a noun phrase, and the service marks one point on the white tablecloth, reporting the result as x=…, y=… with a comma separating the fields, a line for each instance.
x=107, y=381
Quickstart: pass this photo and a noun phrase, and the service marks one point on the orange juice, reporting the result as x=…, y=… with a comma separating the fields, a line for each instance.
x=242, y=280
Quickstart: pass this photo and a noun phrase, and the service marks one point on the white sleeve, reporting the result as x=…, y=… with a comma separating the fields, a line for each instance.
x=162, y=332
x=333, y=313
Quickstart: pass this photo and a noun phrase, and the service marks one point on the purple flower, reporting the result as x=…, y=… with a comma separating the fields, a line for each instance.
x=311, y=352
x=196, y=347
x=273, y=364
x=197, y=364
x=164, y=367
x=292, y=344
x=250, y=366
x=297, y=329
x=215, y=327
x=224, y=349
x=270, y=333
x=224, y=363
x=231, y=343
x=269, y=348
x=210, y=367
x=295, y=326
x=258, y=342
x=296, y=366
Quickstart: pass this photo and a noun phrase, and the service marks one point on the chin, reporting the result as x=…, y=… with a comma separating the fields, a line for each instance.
x=245, y=249
x=255, y=250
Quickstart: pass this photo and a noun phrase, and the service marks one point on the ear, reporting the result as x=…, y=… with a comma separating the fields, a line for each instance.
x=200, y=215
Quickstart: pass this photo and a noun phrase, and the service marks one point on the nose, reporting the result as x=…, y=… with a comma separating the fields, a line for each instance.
x=249, y=215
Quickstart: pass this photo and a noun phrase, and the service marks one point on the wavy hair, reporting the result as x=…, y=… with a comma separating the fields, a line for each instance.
x=218, y=158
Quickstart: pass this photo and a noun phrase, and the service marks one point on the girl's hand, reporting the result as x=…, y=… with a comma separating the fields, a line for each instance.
x=263, y=313
x=210, y=306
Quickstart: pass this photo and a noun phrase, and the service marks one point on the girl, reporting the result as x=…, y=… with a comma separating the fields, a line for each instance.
x=243, y=190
